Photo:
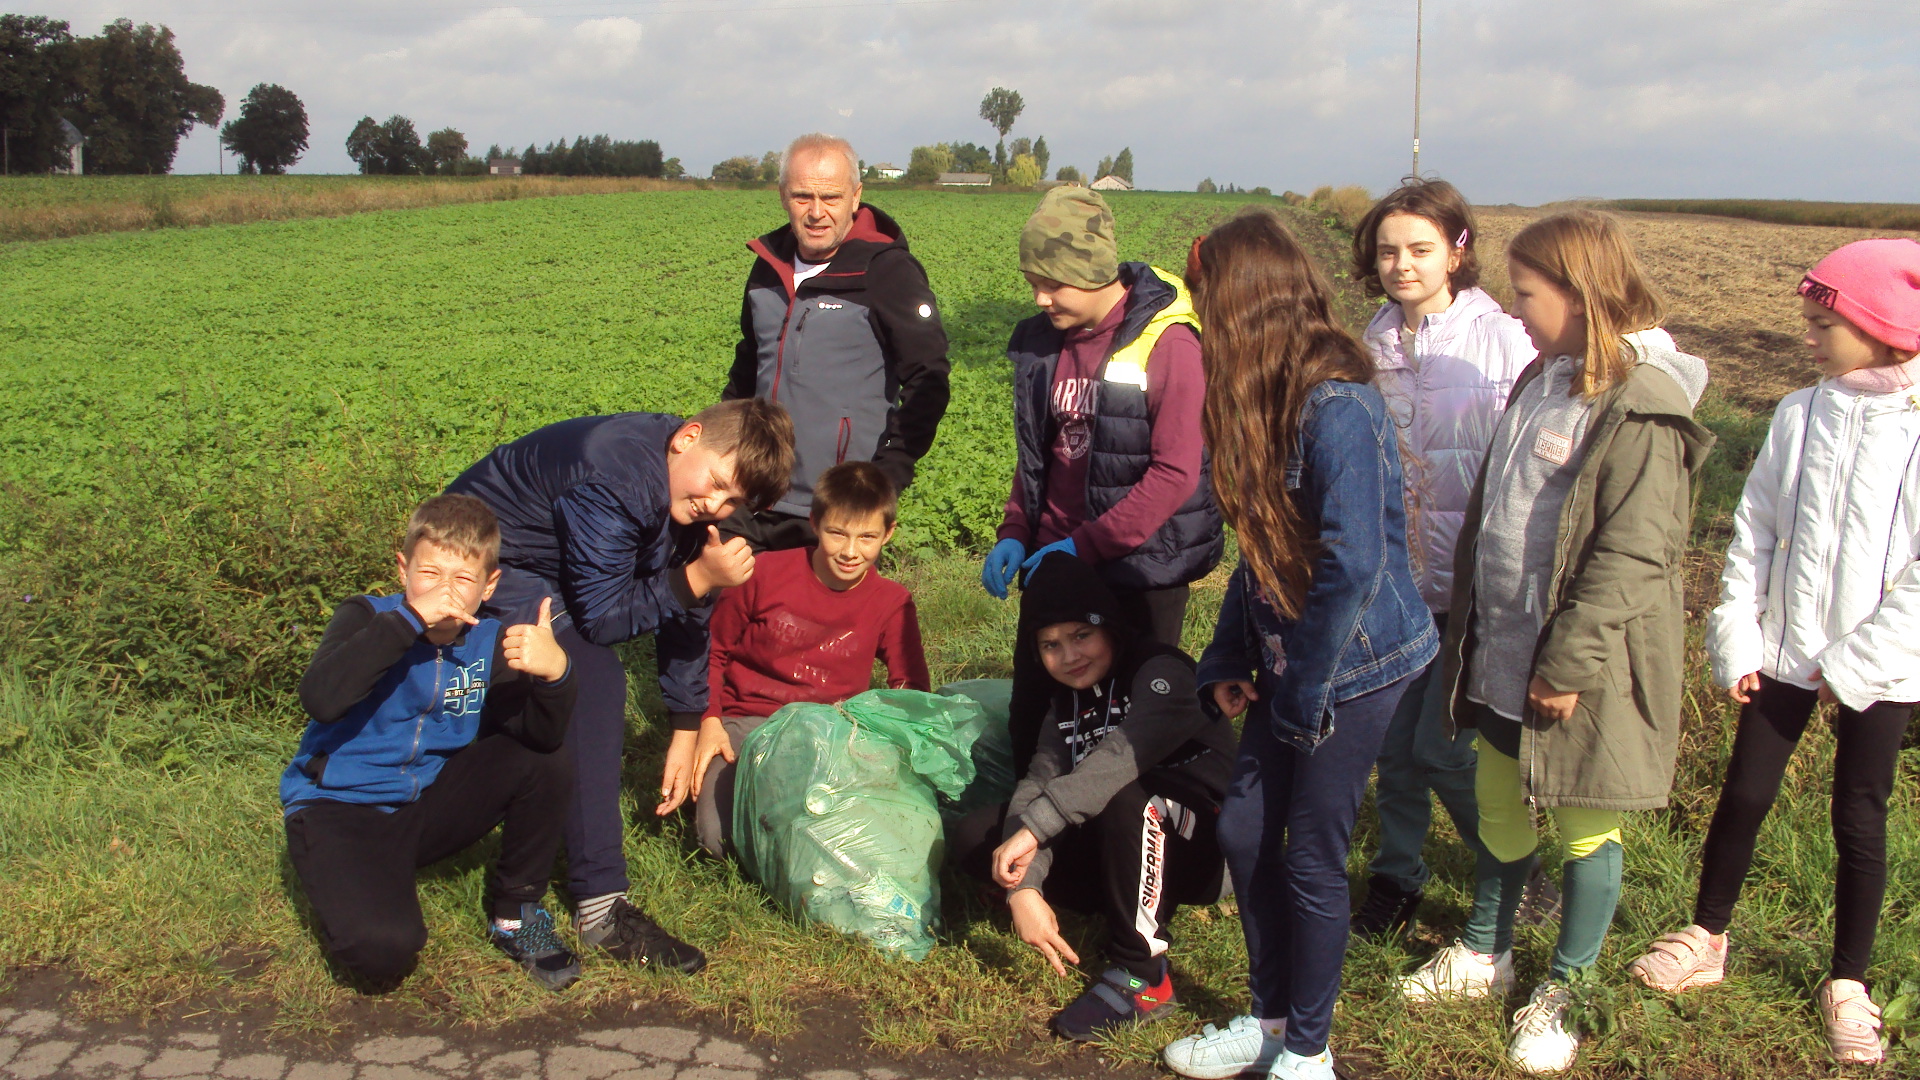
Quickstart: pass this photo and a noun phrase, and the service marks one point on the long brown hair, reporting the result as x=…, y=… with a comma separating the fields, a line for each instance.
x=1271, y=337
x=1586, y=254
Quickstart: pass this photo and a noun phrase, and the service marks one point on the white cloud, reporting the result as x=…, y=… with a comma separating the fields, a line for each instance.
x=1522, y=101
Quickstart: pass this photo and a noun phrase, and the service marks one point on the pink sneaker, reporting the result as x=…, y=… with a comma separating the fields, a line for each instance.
x=1852, y=1021
x=1683, y=961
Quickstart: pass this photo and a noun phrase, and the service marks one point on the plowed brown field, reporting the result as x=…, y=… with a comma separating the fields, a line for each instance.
x=1728, y=284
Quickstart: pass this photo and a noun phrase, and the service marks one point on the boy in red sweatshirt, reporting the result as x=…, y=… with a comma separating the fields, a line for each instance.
x=807, y=626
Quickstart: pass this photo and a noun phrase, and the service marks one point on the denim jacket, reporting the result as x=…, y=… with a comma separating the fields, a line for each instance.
x=1364, y=625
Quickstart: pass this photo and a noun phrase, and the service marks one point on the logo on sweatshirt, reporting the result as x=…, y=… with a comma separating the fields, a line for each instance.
x=1160, y=686
x=467, y=691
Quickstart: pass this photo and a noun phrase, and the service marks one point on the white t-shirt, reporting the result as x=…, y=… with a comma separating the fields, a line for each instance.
x=803, y=270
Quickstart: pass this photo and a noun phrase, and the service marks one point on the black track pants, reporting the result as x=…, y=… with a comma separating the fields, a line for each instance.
x=1863, y=769
x=357, y=863
x=1141, y=858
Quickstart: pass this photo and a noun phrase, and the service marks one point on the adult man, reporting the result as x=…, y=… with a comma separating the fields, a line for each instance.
x=1107, y=391
x=838, y=325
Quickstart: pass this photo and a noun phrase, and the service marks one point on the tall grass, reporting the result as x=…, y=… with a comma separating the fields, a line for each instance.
x=40, y=208
x=1894, y=216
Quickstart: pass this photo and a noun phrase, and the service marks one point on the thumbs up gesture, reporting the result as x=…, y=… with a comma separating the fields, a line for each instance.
x=720, y=565
x=530, y=647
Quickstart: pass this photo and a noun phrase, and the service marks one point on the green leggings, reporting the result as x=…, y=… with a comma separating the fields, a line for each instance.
x=1590, y=882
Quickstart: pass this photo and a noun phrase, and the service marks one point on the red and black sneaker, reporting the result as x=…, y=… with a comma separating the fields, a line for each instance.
x=1118, y=998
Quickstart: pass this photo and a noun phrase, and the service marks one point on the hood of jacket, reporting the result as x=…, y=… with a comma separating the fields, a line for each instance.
x=873, y=232
x=1689, y=372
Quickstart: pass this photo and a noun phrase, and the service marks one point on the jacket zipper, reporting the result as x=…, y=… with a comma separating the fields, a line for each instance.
x=780, y=350
x=1845, y=454
x=420, y=725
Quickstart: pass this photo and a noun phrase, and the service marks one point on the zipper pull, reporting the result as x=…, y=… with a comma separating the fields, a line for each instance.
x=1533, y=584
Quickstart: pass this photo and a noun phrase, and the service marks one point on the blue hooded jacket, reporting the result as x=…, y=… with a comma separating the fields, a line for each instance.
x=392, y=743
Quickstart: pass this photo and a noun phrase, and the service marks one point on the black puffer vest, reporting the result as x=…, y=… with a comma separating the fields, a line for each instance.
x=1191, y=542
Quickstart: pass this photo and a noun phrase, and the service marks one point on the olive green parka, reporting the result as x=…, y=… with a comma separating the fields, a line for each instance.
x=1615, y=627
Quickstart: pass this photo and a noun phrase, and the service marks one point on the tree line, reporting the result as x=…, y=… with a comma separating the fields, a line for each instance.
x=125, y=89
x=1022, y=163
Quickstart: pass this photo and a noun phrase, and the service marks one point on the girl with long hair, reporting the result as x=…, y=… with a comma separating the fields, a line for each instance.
x=1322, y=627
x=1566, y=646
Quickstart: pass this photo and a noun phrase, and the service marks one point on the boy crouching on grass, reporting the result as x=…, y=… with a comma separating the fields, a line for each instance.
x=807, y=626
x=1117, y=813
x=428, y=727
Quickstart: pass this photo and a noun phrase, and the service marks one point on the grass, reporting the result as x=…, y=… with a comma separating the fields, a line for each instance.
x=140, y=841
x=44, y=208
x=1881, y=216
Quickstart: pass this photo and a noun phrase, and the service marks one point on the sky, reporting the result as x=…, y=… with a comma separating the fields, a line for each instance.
x=1523, y=102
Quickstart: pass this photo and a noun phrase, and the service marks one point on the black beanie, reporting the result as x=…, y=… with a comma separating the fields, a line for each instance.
x=1065, y=589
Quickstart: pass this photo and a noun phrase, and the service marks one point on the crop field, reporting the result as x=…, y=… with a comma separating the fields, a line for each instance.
x=41, y=208
x=208, y=437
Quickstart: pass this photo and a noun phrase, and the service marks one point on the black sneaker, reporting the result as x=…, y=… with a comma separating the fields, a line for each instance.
x=535, y=947
x=1540, y=903
x=627, y=934
x=1387, y=909
x=1118, y=998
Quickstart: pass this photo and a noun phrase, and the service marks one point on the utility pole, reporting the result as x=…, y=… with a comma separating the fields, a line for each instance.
x=1419, y=19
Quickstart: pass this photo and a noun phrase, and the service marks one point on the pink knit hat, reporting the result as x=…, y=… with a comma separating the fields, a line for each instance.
x=1874, y=284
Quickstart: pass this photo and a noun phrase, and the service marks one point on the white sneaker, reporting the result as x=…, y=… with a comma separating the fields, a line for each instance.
x=1541, y=1041
x=1457, y=972
x=1221, y=1054
x=1292, y=1066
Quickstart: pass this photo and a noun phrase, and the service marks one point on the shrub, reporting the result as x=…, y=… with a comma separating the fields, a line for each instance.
x=1293, y=198
x=1347, y=205
x=1320, y=195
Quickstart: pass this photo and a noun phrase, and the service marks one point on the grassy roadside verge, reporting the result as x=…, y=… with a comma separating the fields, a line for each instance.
x=46, y=208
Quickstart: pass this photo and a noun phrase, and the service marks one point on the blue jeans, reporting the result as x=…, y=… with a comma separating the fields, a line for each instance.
x=1416, y=759
x=1285, y=827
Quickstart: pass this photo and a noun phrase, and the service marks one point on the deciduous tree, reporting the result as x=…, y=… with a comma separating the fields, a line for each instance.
x=447, y=148
x=271, y=131
x=1001, y=107
x=363, y=145
x=1123, y=165
x=928, y=162
x=1024, y=172
x=134, y=99
x=35, y=79
x=1040, y=154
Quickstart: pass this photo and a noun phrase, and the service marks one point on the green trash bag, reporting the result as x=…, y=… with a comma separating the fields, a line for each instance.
x=993, y=770
x=836, y=810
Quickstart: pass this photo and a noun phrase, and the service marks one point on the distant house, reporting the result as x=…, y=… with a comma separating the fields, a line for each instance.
x=887, y=170
x=503, y=166
x=965, y=179
x=1111, y=182
x=71, y=141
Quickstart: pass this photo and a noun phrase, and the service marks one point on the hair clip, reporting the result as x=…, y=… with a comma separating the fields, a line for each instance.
x=1462, y=242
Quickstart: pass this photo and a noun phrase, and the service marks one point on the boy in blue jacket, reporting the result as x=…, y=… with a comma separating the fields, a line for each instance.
x=428, y=727
x=615, y=516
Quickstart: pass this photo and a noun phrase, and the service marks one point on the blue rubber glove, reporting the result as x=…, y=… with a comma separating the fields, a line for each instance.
x=1033, y=561
x=1002, y=563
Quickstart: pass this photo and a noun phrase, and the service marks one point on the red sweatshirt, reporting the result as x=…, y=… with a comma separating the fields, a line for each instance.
x=784, y=637
x=1176, y=390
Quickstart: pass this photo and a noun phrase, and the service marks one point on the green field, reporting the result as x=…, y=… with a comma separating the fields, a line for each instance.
x=210, y=436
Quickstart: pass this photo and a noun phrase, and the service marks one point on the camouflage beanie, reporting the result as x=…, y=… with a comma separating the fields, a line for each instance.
x=1070, y=239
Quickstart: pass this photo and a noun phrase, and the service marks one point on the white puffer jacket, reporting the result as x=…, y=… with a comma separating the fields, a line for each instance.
x=1445, y=400
x=1824, y=570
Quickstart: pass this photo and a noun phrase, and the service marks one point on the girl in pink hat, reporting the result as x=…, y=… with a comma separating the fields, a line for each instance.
x=1820, y=602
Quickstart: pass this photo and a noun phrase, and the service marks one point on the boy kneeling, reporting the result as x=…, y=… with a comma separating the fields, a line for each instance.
x=1116, y=813
x=807, y=626
x=428, y=728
